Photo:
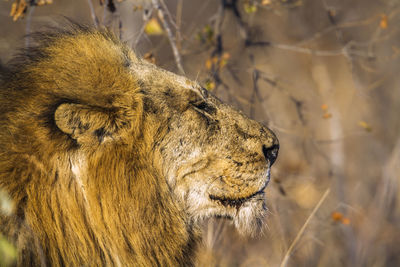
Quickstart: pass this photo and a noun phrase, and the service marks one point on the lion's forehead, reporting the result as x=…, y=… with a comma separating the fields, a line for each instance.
x=150, y=74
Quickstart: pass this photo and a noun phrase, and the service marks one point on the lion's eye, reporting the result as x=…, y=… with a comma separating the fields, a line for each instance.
x=204, y=107
x=204, y=92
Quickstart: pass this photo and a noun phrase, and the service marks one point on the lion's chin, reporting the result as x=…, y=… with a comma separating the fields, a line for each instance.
x=247, y=214
x=248, y=217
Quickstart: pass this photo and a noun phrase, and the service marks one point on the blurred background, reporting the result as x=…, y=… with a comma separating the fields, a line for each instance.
x=322, y=74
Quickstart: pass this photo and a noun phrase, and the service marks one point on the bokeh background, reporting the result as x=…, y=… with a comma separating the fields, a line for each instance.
x=322, y=74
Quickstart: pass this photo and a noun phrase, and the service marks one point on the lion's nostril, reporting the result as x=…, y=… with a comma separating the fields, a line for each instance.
x=270, y=153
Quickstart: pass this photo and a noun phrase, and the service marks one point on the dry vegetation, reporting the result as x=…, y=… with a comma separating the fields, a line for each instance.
x=321, y=73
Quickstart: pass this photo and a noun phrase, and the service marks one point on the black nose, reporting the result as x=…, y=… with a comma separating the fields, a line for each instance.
x=270, y=153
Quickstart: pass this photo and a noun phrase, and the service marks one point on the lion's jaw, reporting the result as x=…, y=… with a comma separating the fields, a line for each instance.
x=211, y=195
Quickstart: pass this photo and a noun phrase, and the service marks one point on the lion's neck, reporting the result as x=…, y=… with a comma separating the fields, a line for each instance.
x=125, y=218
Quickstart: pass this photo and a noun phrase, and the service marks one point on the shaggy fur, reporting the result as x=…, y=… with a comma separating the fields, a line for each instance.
x=110, y=160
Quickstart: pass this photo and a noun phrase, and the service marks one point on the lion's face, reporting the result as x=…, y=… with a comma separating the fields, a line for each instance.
x=216, y=160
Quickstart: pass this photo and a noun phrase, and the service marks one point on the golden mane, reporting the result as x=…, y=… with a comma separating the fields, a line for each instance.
x=131, y=219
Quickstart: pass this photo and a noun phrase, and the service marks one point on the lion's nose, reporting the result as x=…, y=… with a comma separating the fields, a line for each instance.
x=270, y=153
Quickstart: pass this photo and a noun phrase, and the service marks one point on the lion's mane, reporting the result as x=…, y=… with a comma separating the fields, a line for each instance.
x=123, y=214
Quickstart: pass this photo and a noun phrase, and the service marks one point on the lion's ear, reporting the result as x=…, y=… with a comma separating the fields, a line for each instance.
x=87, y=124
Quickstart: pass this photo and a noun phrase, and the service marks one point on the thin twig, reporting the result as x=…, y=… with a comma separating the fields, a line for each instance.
x=146, y=17
x=233, y=5
x=309, y=51
x=179, y=8
x=105, y=14
x=167, y=13
x=253, y=95
x=217, y=51
x=93, y=14
x=344, y=25
x=120, y=29
x=218, y=28
x=28, y=25
x=109, y=14
x=299, y=108
x=171, y=37
x=300, y=233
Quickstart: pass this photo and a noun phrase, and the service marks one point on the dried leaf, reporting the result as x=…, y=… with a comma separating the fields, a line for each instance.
x=327, y=115
x=206, y=35
x=44, y=2
x=153, y=27
x=209, y=33
x=324, y=107
x=209, y=64
x=384, y=22
x=210, y=85
x=137, y=8
x=224, y=60
x=339, y=217
x=149, y=56
x=18, y=9
x=336, y=216
x=365, y=125
x=346, y=221
x=13, y=9
x=250, y=8
x=266, y=2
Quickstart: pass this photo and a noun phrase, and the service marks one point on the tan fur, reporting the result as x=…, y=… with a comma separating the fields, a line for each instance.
x=112, y=161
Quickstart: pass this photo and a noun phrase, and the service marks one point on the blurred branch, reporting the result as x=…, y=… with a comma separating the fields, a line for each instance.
x=108, y=13
x=256, y=76
x=350, y=24
x=179, y=7
x=28, y=23
x=309, y=51
x=242, y=26
x=218, y=49
x=300, y=233
x=256, y=90
x=93, y=14
x=218, y=28
x=391, y=174
x=167, y=13
x=298, y=103
x=324, y=53
x=339, y=36
x=112, y=17
x=299, y=109
x=162, y=13
x=146, y=17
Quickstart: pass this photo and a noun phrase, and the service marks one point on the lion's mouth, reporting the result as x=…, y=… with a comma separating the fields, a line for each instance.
x=234, y=202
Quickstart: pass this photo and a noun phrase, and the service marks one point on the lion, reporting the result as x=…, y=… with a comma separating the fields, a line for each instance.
x=110, y=160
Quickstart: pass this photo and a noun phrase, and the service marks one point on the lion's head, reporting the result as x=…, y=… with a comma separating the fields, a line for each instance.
x=105, y=154
x=215, y=159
